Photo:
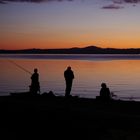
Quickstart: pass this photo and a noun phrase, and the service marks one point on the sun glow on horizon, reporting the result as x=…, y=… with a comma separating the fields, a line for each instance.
x=67, y=25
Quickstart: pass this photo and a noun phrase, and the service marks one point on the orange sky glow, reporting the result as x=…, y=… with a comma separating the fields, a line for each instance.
x=68, y=24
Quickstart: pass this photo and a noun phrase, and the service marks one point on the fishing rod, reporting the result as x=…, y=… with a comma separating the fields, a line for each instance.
x=19, y=66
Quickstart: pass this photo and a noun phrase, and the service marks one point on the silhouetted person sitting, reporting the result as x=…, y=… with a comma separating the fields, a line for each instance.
x=35, y=87
x=105, y=92
x=69, y=76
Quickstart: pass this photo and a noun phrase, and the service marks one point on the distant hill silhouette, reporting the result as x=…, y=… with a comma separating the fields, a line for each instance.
x=85, y=50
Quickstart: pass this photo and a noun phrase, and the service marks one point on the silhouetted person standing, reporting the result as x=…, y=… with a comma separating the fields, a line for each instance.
x=105, y=92
x=69, y=76
x=35, y=87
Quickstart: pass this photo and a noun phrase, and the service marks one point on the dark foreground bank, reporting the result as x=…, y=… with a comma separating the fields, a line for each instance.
x=43, y=117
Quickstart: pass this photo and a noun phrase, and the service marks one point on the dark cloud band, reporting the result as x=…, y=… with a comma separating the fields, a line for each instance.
x=39, y=1
x=117, y=4
x=132, y=1
x=126, y=1
x=35, y=1
x=112, y=6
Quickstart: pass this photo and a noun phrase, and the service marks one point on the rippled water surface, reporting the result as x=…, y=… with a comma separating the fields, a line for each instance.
x=120, y=72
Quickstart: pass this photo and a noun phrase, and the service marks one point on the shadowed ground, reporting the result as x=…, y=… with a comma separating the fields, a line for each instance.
x=44, y=117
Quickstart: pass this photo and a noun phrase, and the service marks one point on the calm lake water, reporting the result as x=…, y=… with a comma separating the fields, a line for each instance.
x=120, y=72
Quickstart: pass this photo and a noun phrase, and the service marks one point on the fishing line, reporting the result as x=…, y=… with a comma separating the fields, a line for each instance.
x=19, y=66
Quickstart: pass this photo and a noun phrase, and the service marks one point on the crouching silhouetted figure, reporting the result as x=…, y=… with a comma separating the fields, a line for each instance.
x=105, y=92
x=69, y=76
x=35, y=86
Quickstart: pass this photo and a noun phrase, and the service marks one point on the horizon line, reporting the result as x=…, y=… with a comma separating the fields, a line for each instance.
x=66, y=48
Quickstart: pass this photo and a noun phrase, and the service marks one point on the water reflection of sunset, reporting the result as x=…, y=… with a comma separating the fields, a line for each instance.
x=122, y=76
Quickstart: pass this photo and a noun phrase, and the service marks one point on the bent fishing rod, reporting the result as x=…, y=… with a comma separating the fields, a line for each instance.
x=25, y=70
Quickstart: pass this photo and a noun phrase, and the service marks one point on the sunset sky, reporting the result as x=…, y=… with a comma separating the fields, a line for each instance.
x=69, y=23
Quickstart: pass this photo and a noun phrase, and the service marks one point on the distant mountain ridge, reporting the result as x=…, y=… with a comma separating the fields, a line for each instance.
x=76, y=50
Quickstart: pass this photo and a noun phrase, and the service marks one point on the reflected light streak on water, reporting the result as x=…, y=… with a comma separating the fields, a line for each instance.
x=121, y=75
